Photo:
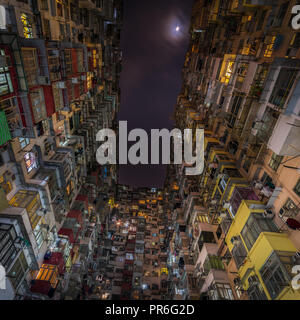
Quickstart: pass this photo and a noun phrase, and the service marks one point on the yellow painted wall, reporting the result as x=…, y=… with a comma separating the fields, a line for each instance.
x=266, y=243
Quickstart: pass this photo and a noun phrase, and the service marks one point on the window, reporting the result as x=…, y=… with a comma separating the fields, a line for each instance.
x=247, y=164
x=281, y=14
x=18, y=270
x=24, y=142
x=58, y=97
x=206, y=237
x=47, y=29
x=282, y=87
x=39, y=235
x=237, y=101
x=239, y=253
x=261, y=20
x=59, y=8
x=62, y=30
x=256, y=291
x=30, y=161
x=94, y=54
x=5, y=80
x=228, y=72
x=30, y=65
x=255, y=225
x=289, y=209
x=274, y=275
x=8, y=251
x=44, y=5
x=213, y=262
x=80, y=63
x=38, y=105
x=89, y=82
x=266, y=179
x=270, y=47
x=68, y=61
x=27, y=26
x=5, y=184
x=297, y=188
x=221, y=291
x=275, y=161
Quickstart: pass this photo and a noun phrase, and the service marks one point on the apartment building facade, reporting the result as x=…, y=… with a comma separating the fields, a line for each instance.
x=236, y=226
x=60, y=69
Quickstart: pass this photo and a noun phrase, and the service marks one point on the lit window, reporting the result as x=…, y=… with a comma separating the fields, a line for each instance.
x=59, y=8
x=89, y=80
x=270, y=48
x=94, y=58
x=30, y=161
x=27, y=27
x=24, y=142
x=228, y=72
x=5, y=185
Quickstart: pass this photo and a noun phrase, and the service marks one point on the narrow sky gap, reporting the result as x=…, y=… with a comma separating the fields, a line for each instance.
x=154, y=41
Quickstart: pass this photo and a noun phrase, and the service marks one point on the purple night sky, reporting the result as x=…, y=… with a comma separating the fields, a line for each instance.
x=153, y=56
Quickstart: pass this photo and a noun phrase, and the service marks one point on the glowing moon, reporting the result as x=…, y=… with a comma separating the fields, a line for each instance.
x=177, y=29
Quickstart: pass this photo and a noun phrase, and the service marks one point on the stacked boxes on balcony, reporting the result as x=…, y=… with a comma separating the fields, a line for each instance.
x=236, y=226
x=60, y=67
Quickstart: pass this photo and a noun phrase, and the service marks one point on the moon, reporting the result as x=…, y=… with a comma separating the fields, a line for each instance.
x=177, y=28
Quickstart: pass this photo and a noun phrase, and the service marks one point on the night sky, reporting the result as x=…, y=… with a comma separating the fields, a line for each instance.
x=153, y=56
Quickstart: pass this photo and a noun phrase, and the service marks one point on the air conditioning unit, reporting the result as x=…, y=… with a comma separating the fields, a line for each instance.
x=43, y=80
x=83, y=77
x=74, y=80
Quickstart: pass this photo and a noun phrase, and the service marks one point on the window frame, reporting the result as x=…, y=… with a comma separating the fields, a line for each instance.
x=296, y=189
x=275, y=161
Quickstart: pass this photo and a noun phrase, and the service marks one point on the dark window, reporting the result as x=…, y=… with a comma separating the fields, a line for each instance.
x=275, y=161
x=297, y=188
x=261, y=20
x=280, y=15
x=274, y=275
x=18, y=270
x=289, y=209
x=282, y=87
x=239, y=253
x=255, y=225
